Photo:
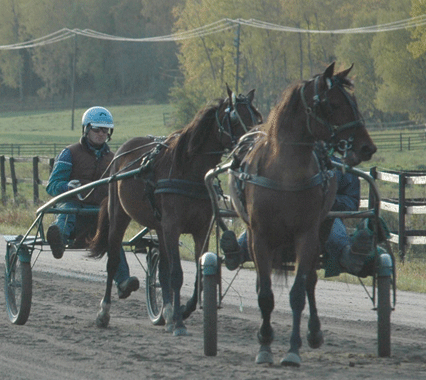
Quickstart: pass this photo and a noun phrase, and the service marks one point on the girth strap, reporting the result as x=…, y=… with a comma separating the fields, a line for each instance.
x=182, y=187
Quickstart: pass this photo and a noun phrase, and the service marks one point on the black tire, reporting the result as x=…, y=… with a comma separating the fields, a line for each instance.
x=154, y=296
x=210, y=314
x=18, y=286
x=384, y=315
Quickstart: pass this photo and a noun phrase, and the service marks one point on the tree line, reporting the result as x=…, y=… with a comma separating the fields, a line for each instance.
x=389, y=66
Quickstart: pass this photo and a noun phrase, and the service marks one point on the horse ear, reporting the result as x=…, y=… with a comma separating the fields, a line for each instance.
x=228, y=90
x=344, y=73
x=250, y=95
x=328, y=73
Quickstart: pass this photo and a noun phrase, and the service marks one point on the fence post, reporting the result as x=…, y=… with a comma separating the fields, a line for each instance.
x=14, y=179
x=3, y=179
x=51, y=164
x=36, y=179
x=401, y=216
x=400, y=142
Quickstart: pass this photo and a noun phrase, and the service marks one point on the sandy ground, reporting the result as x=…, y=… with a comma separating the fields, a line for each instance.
x=61, y=341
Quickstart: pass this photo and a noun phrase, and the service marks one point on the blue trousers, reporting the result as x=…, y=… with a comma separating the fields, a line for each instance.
x=336, y=242
x=71, y=225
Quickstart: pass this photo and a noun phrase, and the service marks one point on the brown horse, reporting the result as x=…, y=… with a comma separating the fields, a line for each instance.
x=284, y=193
x=170, y=196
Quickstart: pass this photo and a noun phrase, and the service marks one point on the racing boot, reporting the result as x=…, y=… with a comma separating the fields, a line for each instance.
x=231, y=250
x=126, y=287
x=56, y=241
x=353, y=257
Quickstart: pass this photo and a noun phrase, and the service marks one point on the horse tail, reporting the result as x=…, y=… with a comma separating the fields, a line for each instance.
x=99, y=243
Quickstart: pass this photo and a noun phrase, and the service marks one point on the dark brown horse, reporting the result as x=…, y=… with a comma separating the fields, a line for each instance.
x=283, y=194
x=170, y=196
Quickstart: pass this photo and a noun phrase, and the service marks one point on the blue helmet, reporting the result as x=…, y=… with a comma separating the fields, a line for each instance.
x=97, y=117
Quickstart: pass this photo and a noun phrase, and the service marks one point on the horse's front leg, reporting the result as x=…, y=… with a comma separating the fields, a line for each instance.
x=165, y=283
x=315, y=336
x=265, y=297
x=103, y=317
x=297, y=303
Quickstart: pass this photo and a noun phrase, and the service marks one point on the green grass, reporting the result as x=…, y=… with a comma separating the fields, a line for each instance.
x=141, y=120
x=55, y=127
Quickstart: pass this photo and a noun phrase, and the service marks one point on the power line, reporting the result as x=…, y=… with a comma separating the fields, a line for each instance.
x=216, y=27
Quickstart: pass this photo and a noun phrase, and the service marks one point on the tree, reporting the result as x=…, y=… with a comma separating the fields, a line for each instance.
x=12, y=31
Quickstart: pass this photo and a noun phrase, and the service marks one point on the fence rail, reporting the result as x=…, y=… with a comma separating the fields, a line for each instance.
x=400, y=205
x=401, y=141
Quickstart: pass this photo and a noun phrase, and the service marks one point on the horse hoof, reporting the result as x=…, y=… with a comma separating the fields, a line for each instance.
x=102, y=320
x=291, y=360
x=315, y=340
x=168, y=317
x=181, y=331
x=264, y=356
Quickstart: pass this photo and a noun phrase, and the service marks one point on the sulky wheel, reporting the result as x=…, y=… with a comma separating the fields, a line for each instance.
x=154, y=297
x=210, y=314
x=384, y=315
x=17, y=285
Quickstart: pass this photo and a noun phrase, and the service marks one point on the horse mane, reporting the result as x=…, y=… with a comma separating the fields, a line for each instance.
x=285, y=109
x=192, y=137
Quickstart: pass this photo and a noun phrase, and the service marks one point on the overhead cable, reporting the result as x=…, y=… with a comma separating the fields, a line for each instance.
x=215, y=27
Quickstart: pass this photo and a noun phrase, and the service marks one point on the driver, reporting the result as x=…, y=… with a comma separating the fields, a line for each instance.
x=78, y=164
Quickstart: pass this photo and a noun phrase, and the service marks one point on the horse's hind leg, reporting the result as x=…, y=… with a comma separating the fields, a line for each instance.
x=315, y=336
x=171, y=239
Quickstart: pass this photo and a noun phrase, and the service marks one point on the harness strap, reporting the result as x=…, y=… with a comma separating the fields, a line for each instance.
x=254, y=179
x=182, y=187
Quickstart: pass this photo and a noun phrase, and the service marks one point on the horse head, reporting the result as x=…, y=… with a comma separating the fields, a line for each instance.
x=236, y=117
x=333, y=116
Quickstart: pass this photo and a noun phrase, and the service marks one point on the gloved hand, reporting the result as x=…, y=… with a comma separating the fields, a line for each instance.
x=74, y=184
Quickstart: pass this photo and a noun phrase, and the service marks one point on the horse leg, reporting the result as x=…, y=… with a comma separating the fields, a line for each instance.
x=306, y=249
x=297, y=303
x=164, y=278
x=117, y=228
x=315, y=336
x=171, y=238
x=191, y=305
x=265, y=299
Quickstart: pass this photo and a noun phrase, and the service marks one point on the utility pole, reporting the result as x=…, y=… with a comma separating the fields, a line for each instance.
x=73, y=82
x=237, y=61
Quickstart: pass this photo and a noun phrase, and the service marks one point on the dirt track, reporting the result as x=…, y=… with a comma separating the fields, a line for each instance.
x=61, y=341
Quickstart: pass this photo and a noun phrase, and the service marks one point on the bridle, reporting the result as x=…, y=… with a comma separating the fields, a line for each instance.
x=321, y=105
x=232, y=117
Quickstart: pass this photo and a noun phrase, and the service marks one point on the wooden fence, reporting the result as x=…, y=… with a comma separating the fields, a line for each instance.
x=402, y=206
x=13, y=180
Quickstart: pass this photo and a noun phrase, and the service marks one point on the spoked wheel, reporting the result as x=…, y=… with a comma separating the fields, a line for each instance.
x=17, y=285
x=154, y=296
x=384, y=315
